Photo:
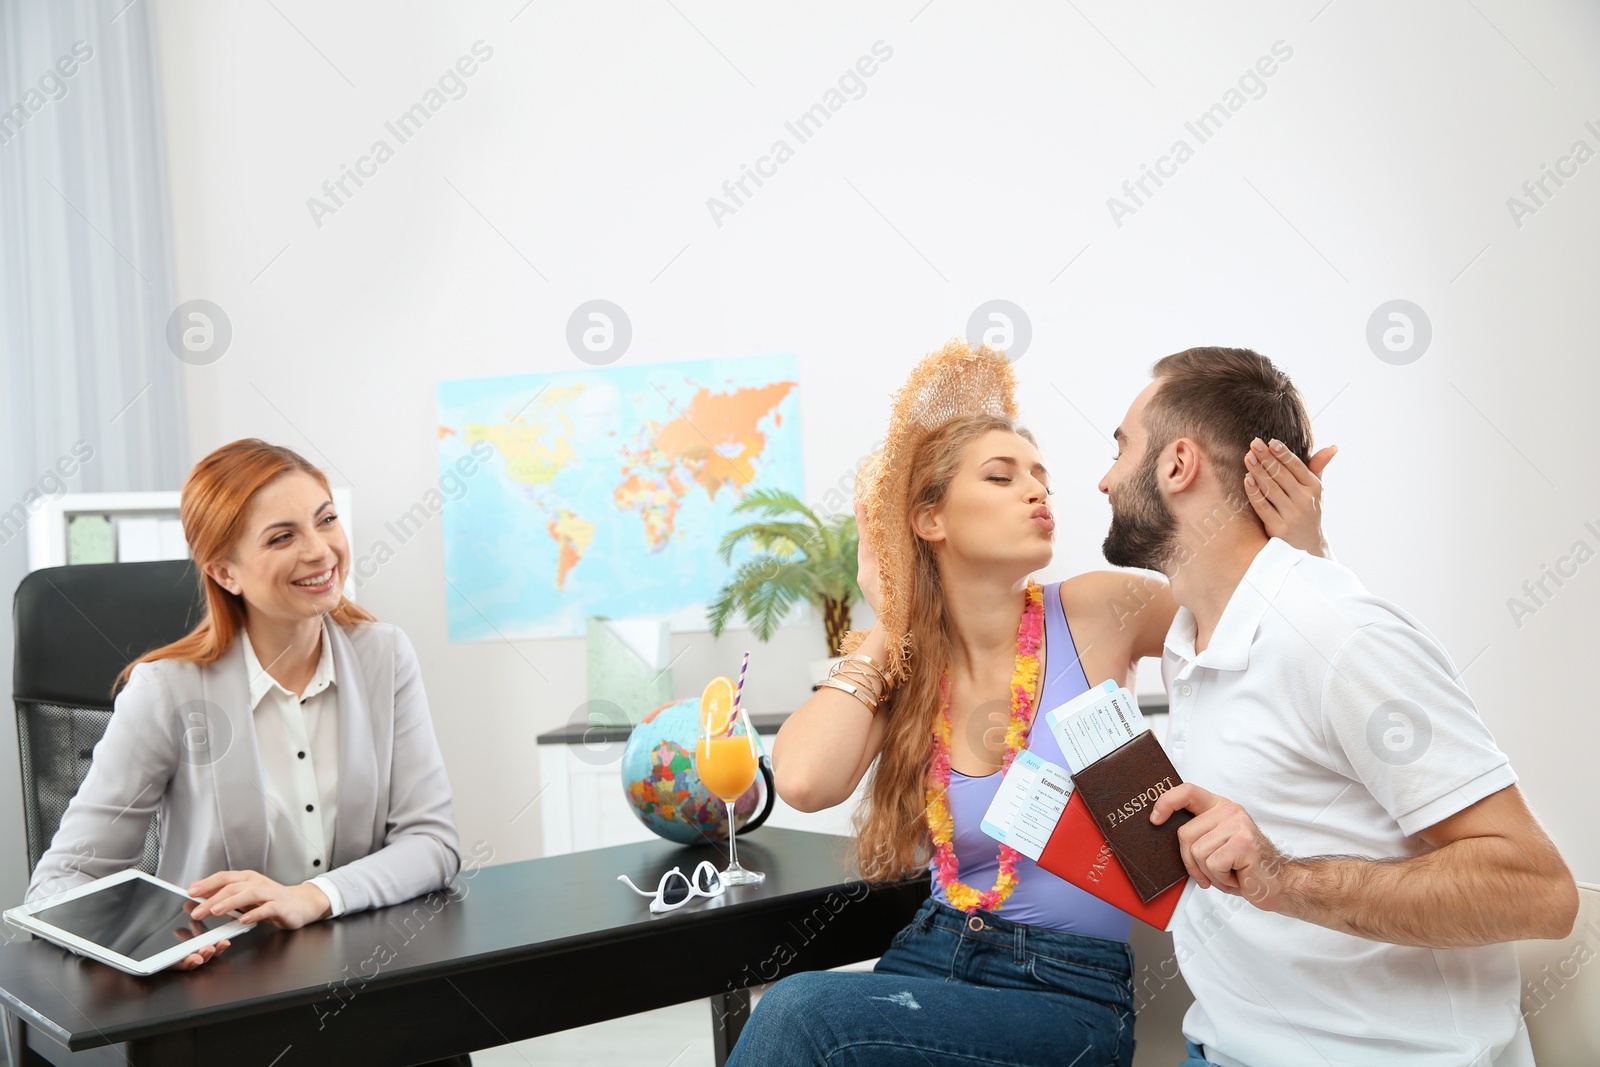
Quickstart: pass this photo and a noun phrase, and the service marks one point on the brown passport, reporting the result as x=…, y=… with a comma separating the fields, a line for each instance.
x=1119, y=790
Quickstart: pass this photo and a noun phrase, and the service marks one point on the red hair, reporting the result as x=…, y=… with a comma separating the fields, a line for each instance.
x=216, y=497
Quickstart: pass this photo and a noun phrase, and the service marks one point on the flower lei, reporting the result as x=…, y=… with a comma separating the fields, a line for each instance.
x=1024, y=676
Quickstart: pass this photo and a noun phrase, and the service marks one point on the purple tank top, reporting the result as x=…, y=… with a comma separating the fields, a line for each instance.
x=1040, y=898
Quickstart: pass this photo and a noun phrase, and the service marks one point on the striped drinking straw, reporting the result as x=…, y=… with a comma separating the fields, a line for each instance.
x=738, y=691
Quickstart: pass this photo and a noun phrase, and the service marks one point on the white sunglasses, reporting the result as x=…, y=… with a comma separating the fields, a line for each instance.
x=676, y=890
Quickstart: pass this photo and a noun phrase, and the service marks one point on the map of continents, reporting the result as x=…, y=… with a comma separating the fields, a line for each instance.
x=608, y=489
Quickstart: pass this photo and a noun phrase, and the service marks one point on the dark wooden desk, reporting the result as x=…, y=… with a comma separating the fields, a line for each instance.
x=523, y=949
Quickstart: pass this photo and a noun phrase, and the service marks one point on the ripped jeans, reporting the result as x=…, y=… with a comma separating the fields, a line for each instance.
x=959, y=989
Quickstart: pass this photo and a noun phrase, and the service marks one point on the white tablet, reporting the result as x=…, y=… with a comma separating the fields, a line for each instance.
x=128, y=920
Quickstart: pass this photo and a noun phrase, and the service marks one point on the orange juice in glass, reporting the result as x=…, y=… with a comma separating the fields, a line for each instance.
x=726, y=761
x=726, y=766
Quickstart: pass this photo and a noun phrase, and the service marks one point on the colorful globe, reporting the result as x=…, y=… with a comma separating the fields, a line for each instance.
x=662, y=788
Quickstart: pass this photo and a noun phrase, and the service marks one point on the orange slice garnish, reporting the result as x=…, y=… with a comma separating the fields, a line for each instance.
x=716, y=705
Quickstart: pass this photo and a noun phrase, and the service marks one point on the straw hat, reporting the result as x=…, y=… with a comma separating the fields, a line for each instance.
x=956, y=380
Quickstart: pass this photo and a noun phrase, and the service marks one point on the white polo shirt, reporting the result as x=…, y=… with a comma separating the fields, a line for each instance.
x=1338, y=722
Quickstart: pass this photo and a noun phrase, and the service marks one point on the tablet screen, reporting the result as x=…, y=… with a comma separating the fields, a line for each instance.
x=134, y=918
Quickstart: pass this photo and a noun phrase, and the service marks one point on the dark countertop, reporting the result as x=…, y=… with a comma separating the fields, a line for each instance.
x=766, y=722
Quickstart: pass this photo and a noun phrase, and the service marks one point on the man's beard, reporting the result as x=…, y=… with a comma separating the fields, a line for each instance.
x=1144, y=532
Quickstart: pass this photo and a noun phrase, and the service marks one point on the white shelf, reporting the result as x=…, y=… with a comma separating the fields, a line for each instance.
x=47, y=527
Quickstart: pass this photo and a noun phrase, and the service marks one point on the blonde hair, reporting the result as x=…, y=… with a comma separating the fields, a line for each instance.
x=892, y=836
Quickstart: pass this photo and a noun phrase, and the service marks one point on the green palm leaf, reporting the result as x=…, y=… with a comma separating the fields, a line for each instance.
x=798, y=557
x=783, y=538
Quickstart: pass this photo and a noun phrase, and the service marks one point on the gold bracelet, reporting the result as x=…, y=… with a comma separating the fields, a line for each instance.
x=878, y=668
x=860, y=677
x=860, y=691
x=862, y=657
x=846, y=687
x=882, y=670
x=866, y=699
x=876, y=684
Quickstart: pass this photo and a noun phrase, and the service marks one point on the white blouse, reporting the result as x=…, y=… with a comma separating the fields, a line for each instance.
x=298, y=737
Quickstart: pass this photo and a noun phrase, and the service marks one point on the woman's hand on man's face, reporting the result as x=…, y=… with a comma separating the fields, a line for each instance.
x=1287, y=493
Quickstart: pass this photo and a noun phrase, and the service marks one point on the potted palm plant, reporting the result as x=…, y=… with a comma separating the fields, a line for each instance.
x=799, y=557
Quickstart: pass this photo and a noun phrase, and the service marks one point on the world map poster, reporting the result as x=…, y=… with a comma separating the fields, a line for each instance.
x=606, y=490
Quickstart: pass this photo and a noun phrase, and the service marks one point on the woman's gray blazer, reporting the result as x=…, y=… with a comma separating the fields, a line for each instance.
x=182, y=743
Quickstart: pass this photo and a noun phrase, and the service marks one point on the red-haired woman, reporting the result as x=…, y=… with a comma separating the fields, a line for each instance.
x=285, y=743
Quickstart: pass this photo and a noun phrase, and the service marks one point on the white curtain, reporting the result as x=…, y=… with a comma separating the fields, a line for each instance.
x=86, y=288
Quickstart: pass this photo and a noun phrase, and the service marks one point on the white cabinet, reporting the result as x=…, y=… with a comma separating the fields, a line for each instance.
x=582, y=806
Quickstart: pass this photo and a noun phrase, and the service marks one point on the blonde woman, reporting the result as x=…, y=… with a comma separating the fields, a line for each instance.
x=1004, y=963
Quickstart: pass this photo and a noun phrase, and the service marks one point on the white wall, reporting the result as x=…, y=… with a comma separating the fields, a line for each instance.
x=977, y=165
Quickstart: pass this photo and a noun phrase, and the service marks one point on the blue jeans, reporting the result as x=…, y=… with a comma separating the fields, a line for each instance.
x=1196, y=1058
x=955, y=989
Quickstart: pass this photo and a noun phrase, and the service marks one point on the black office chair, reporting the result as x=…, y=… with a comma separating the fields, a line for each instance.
x=76, y=628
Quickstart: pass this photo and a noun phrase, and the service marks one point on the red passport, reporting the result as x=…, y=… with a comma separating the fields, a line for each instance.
x=1077, y=851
